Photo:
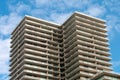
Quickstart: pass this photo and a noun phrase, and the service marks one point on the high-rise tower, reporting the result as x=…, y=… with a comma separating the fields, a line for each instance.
x=75, y=50
x=36, y=49
x=85, y=47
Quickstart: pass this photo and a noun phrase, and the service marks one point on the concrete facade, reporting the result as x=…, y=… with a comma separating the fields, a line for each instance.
x=75, y=50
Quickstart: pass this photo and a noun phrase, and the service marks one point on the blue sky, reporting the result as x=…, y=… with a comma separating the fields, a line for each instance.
x=12, y=11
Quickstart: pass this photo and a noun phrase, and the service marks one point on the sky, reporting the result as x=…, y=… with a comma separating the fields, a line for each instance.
x=13, y=11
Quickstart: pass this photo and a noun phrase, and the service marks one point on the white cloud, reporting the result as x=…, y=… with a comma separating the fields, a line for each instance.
x=59, y=18
x=37, y=12
x=19, y=8
x=113, y=22
x=8, y=23
x=113, y=25
x=4, y=55
x=62, y=5
x=41, y=2
x=112, y=5
x=116, y=65
x=95, y=11
x=77, y=3
x=22, y=8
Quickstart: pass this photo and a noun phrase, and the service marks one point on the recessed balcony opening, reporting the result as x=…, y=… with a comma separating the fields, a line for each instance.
x=62, y=54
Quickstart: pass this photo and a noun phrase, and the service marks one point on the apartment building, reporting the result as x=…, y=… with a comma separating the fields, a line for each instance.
x=85, y=47
x=43, y=50
x=36, y=49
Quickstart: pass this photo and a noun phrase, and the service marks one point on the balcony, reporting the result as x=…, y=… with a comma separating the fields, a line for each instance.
x=15, y=58
x=72, y=62
x=89, y=69
x=87, y=63
x=54, y=47
x=15, y=64
x=38, y=48
x=71, y=47
x=38, y=24
x=42, y=69
x=68, y=54
x=84, y=38
x=19, y=37
x=93, y=23
x=17, y=72
x=85, y=58
x=72, y=67
x=70, y=22
x=103, y=57
x=74, y=71
x=99, y=38
x=72, y=56
x=69, y=40
x=35, y=72
x=38, y=33
x=102, y=52
x=74, y=76
x=85, y=48
x=93, y=45
x=29, y=77
x=88, y=30
x=38, y=38
x=101, y=67
x=21, y=26
x=84, y=33
x=86, y=74
x=103, y=62
x=16, y=48
x=40, y=63
x=35, y=57
x=87, y=53
x=68, y=29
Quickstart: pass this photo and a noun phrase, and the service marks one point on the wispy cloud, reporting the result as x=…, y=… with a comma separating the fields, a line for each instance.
x=112, y=5
x=116, y=65
x=4, y=58
x=59, y=18
x=8, y=23
x=95, y=10
x=77, y=3
x=113, y=22
x=19, y=8
x=38, y=12
x=41, y=2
